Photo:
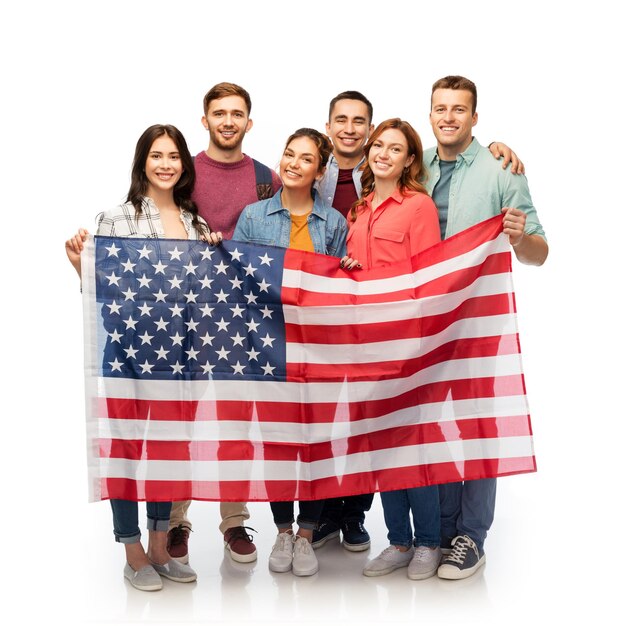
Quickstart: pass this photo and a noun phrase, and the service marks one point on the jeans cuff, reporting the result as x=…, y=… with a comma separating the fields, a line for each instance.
x=284, y=523
x=307, y=524
x=158, y=524
x=133, y=539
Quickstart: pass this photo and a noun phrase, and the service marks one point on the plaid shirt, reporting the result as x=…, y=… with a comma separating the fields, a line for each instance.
x=122, y=222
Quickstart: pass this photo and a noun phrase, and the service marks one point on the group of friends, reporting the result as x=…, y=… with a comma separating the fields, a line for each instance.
x=370, y=196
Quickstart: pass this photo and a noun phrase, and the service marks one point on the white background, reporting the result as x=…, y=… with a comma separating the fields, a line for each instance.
x=81, y=81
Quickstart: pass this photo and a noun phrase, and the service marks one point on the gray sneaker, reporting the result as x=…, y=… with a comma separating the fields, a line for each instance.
x=145, y=579
x=176, y=571
x=388, y=560
x=424, y=563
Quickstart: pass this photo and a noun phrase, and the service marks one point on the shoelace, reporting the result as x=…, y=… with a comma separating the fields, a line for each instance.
x=302, y=546
x=359, y=526
x=239, y=532
x=387, y=552
x=422, y=553
x=177, y=534
x=460, y=546
x=283, y=540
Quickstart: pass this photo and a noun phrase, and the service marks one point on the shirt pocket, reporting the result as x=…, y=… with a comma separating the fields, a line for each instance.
x=395, y=236
x=261, y=241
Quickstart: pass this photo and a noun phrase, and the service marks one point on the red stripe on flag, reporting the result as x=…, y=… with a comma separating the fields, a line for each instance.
x=319, y=412
x=494, y=264
x=245, y=450
x=387, y=370
x=351, y=484
x=484, y=306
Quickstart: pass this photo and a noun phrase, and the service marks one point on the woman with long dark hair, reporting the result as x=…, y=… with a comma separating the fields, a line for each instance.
x=158, y=205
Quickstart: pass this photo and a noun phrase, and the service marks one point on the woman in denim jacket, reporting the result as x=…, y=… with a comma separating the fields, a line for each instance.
x=295, y=217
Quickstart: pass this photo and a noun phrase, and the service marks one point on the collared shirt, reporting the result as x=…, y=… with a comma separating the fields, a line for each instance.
x=122, y=222
x=480, y=188
x=269, y=223
x=328, y=183
x=399, y=228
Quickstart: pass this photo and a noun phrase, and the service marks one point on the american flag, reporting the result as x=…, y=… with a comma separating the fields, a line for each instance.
x=250, y=373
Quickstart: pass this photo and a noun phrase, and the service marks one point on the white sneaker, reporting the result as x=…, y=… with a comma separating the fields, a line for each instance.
x=389, y=559
x=424, y=563
x=304, y=559
x=282, y=553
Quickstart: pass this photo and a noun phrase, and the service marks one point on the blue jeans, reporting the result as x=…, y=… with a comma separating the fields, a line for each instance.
x=468, y=509
x=309, y=516
x=126, y=519
x=423, y=503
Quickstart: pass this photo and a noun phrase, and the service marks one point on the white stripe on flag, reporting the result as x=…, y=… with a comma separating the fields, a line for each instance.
x=262, y=470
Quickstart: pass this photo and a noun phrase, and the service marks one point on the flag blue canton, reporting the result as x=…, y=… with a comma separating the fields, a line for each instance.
x=183, y=310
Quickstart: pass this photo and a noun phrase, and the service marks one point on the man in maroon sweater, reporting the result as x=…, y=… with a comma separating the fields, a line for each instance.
x=227, y=180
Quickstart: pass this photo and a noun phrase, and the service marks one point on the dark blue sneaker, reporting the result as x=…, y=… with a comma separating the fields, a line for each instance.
x=355, y=537
x=327, y=530
x=464, y=560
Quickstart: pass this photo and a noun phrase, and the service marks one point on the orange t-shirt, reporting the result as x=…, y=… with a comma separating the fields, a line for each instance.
x=300, y=238
x=399, y=228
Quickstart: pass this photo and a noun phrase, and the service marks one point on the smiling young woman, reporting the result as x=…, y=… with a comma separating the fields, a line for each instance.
x=394, y=220
x=158, y=205
x=297, y=218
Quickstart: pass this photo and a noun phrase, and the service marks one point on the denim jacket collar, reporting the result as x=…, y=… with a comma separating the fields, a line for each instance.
x=275, y=205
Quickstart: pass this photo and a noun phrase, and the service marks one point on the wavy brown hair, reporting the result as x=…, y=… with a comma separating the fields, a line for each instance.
x=183, y=188
x=322, y=143
x=411, y=176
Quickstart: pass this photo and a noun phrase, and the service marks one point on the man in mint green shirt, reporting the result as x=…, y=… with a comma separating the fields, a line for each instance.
x=469, y=186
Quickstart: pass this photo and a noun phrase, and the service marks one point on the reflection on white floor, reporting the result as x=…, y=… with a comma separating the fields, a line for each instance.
x=531, y=576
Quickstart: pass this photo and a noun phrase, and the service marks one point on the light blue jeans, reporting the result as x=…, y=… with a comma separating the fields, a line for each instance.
x=468, y=508
x=423, y=504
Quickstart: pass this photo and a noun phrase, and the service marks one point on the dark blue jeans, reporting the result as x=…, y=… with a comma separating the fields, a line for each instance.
x=349, y=508
x=308, y=517
x=126, y=519
x=468, y=508
x=423, y=504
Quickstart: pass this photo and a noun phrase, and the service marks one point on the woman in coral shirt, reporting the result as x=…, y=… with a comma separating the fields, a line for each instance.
x=395, y=217
x=394, y=220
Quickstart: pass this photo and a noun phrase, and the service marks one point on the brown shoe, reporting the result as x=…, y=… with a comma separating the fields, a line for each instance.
x=239, y=543
x=177, y=539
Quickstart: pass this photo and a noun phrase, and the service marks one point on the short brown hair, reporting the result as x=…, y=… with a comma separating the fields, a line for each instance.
x=456, y=82
x=221, y=90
